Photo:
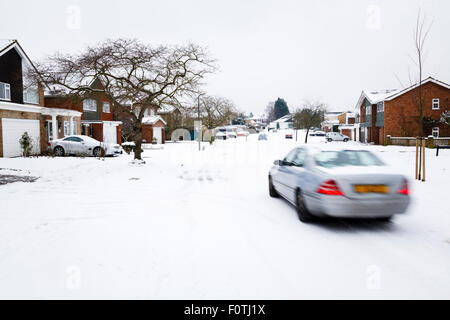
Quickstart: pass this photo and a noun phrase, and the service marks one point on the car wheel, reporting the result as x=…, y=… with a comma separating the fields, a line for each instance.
x=329, y=140
x=272, y=192
x=98, y=152
x=302, y=211
x=345, y=140
x=59, y=151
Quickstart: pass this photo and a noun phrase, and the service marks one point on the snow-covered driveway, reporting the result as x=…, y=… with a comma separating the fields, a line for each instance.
x=191, y=225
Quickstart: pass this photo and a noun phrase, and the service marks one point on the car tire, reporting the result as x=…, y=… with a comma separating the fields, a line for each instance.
x=59, y=151
x=98, y=152
x=272, y=191
x=345, y=140
x=303, y=214
x=330, y=140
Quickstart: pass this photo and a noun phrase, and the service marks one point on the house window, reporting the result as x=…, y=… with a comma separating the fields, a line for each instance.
x=380, y=107
x=435, y=132
x=31, y=95
x=368, y=109
x=106, y=107
x=67, y=128
x=90, y=105
x=435, y=104
x=152, y=112
x=5, y=91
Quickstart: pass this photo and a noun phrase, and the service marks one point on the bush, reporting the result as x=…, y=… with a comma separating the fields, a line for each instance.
x=26, y=144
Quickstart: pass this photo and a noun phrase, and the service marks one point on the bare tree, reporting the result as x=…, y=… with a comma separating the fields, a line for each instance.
x=216, y=111
x=133, y=74
x=310, y=116
x=270, y=112
x=421, y=33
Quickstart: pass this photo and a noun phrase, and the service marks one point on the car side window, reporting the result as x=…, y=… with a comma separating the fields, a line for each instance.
x=290, y=157
x=76, y=139
x=299, y=159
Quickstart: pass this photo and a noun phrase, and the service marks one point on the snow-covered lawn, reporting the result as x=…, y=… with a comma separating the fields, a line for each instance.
x=200, y=225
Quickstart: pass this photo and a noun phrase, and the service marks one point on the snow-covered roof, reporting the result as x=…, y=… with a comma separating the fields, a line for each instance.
x=152, y=120
x=5, y=43
x=375, y=97
x=429, y=79
x=286, y=118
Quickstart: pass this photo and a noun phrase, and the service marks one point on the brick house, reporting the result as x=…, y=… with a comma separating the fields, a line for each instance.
x=153, y=124
x=97, y=112
x=22, y=107
x=394, y=112
x=347, y=124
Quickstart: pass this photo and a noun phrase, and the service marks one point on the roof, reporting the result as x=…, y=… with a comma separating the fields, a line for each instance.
x=375, y=97
x=6, y=45
x=285, y=118
x=152, y=120
x=429, y=79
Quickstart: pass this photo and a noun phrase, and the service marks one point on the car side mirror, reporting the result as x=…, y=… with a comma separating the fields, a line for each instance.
x=278, y=162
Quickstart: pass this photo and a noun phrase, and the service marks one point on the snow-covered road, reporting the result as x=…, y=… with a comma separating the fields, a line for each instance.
x=200, y=225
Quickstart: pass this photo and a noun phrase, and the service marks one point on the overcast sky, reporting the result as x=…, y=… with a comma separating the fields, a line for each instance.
x=297, y=50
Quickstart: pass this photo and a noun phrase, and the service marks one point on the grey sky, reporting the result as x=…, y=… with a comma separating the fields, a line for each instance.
x=327, y=50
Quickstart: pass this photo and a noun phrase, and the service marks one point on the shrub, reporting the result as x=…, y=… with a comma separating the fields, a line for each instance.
x=26, y=144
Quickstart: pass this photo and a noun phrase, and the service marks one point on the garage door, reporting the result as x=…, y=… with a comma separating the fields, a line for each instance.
x=157, y=133
x=109, y=133
x=12, y=131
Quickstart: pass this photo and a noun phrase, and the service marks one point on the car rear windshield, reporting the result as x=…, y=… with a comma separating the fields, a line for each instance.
x=330, y=159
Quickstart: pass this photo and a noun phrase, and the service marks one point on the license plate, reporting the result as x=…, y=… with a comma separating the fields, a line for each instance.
x=372, y=189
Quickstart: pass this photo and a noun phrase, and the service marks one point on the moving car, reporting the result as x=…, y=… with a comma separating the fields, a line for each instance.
x=336, y=136
x=82, y=145
x=339, y=183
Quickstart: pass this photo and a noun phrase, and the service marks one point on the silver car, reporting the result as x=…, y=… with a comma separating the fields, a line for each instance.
x=339, y=183
x=82, y=145
x=336, y=136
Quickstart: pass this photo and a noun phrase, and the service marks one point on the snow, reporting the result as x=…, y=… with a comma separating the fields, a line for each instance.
x=201, y=225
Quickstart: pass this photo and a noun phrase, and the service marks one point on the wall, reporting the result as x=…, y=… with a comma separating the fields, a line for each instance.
x=11, y=72
x=401, y=114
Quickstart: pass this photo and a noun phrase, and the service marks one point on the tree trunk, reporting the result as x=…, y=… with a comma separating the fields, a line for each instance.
x=138, y=142
x=307, y=134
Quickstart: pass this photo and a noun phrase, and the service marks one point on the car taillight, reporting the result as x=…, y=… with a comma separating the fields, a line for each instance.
x=404, y=189
x=330, y=188
x=49, y=144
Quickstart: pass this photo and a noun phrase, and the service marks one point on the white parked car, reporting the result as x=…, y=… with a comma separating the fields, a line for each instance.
x=82, y=145
x=336, y=136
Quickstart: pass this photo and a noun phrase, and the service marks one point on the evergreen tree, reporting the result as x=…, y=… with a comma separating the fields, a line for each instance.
x=281, y=108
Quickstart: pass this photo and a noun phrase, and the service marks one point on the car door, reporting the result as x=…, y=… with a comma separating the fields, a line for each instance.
x=283, y=175
x=78, y=146
x=67, y=144
x=295, y=174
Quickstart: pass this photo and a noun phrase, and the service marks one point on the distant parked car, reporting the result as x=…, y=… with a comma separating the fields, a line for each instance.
x=339, y=183
x=262, y=137
x=336, y=136
x=83, y=145
x=289, y=136
x=231, y=134
x=319, y=133
x=243, y=133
